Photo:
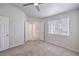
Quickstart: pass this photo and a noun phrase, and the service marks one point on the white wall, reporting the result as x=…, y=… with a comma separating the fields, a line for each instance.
x=26, y=31
x=70, y=42
x=17, y=18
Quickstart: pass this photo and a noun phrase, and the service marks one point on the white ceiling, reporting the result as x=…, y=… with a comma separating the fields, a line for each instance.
x=46, y=9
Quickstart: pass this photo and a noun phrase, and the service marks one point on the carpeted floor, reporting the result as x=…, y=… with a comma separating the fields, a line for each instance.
x=38, y=48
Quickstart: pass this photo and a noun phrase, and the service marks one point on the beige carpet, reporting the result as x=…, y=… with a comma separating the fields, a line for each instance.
x=38, y=48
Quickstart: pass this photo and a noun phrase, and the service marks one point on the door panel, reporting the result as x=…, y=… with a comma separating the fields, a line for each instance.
x=4, y=33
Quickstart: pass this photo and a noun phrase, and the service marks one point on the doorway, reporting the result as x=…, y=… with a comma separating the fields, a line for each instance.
x=36, y=30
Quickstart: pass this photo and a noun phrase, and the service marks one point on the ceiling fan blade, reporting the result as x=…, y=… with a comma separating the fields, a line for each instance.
x=37, y=8
x=27, y=4
x=40, y=3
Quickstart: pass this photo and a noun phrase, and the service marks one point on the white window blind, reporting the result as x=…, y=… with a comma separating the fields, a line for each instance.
x=60, y=26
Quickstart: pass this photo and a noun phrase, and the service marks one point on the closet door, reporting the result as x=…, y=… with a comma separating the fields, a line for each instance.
x=4, y=33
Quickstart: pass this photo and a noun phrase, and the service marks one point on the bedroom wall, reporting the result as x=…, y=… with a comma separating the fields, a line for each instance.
x=71, y=41
x=16, y=18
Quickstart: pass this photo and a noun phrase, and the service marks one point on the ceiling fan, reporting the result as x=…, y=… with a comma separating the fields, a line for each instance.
x=35, y=4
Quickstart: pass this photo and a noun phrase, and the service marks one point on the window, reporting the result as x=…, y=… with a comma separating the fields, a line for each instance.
x=60, y=27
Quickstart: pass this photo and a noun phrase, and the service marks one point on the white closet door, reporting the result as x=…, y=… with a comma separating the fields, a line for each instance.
x=4, y=33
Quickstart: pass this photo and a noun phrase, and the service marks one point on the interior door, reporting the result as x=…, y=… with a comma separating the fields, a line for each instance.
x=4, y=33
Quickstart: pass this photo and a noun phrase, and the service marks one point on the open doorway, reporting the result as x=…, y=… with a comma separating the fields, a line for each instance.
x=35, y=30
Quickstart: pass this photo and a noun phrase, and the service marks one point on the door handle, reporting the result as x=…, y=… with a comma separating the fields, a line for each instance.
x=7, y=34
